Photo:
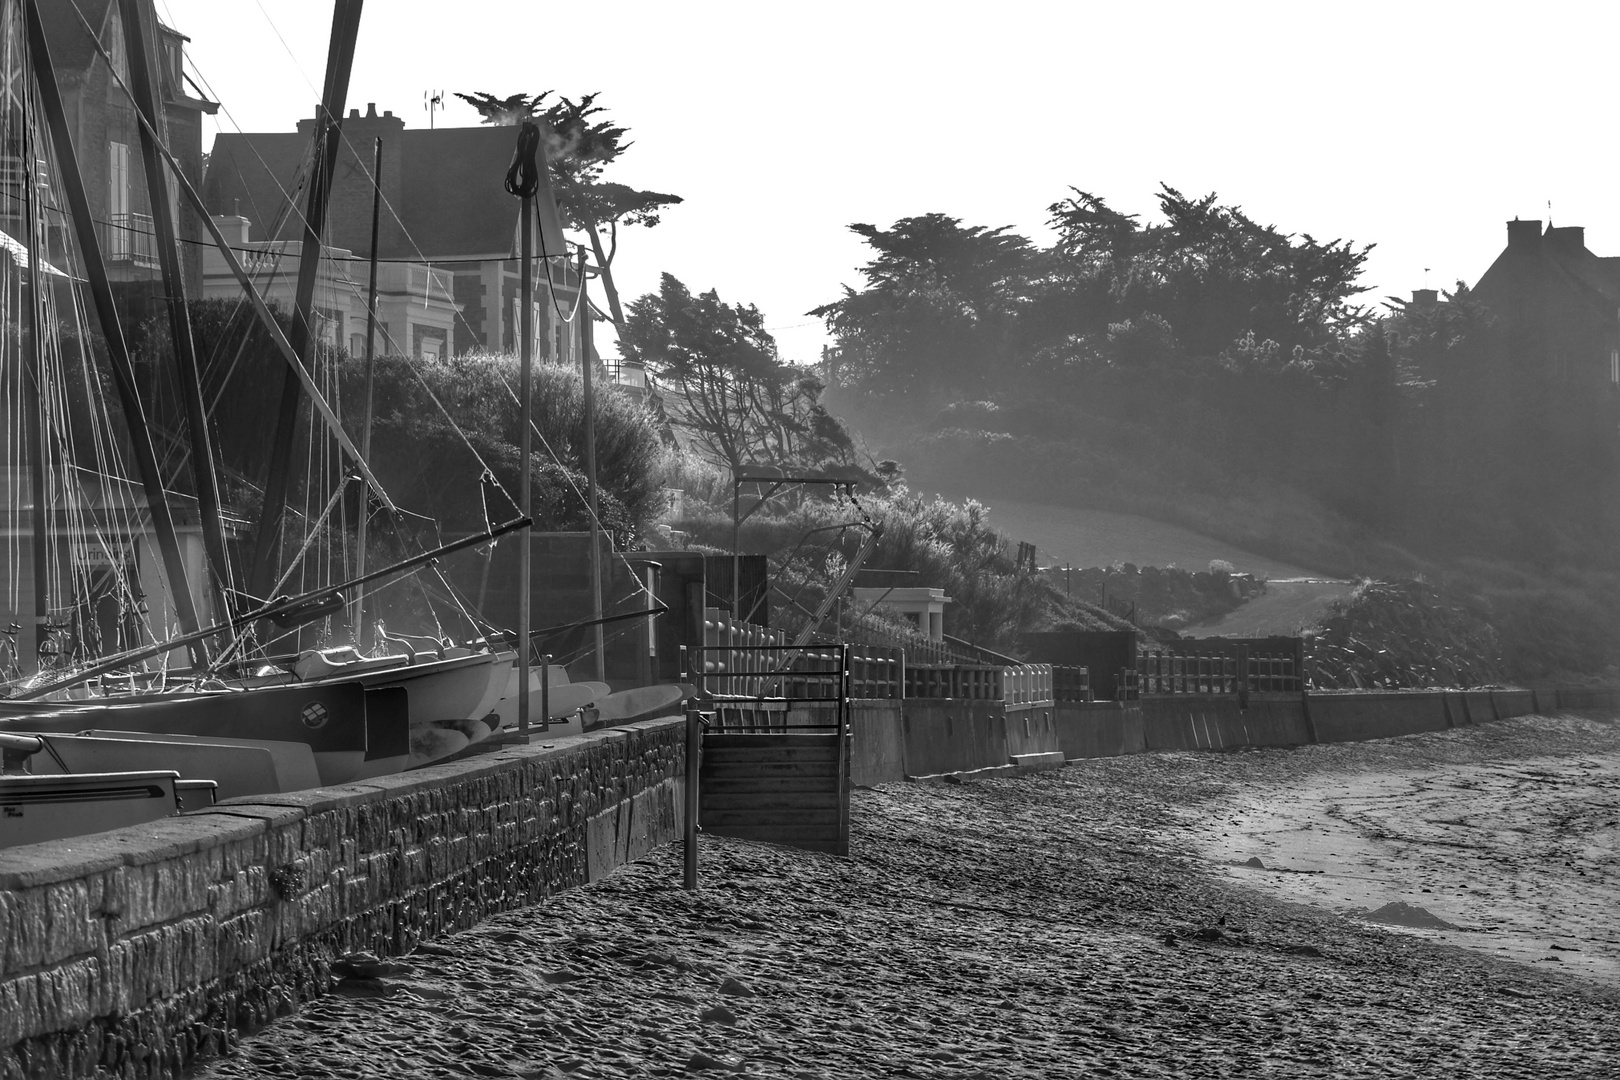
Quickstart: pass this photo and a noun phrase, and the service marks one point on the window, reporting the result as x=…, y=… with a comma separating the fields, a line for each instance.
x=118, y=230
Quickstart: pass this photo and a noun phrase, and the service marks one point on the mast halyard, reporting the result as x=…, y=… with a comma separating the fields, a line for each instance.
x=34, y=405
x=95, y=269
x=587, y=368
x=371, y=371
x=186, y=368
x=334, y=96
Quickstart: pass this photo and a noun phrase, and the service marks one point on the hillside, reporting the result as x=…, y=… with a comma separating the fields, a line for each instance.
x=1077, y=536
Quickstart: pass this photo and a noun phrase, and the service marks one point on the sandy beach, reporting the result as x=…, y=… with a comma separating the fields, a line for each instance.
x=1089, y=921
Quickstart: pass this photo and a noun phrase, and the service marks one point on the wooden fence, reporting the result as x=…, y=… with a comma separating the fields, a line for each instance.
x=1162, y=673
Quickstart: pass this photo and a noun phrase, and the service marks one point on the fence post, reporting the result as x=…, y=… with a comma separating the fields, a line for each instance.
x=694, y=754
x=1243, y=676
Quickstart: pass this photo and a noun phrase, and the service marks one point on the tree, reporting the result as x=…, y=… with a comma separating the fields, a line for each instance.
x=1210, y=271
x=580, y=142
x=736, y=396
x=941, y=309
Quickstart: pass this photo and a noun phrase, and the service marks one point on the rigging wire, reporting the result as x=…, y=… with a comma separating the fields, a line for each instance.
x=522, y=174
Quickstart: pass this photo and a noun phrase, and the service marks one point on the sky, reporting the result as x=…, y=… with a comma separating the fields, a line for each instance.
x=1418, y=127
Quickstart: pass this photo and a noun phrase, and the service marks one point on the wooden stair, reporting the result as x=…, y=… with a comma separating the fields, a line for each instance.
x=783, y=789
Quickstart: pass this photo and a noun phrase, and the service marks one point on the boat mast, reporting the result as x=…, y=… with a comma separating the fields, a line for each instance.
x=586, y=367
x=334, y=96
x=371, y=370
x=34, y=405
x=188, y=374
x=95, y=270
x=529, y=144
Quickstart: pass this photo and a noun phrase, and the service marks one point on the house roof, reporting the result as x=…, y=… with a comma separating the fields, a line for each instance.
x=450, y=194
x=1532, y=268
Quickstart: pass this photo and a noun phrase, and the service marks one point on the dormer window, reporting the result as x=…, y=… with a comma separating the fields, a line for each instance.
x=115, y=45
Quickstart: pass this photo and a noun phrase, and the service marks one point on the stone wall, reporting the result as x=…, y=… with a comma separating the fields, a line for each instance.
x=135, y=952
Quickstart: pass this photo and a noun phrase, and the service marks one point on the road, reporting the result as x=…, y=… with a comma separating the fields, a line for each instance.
x=1286, y=607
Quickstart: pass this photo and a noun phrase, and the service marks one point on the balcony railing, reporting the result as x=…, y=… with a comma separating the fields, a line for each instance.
x=129, y=238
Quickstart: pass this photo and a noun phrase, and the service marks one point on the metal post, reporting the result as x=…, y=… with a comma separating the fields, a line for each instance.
x=694, y=753
x=545, y=692
x=736, y=547
x=525, y=394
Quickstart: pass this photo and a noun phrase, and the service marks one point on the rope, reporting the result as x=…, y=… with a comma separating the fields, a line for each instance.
x=523, y=178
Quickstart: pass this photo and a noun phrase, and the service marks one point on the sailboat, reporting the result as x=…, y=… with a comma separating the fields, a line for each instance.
x=319, y=720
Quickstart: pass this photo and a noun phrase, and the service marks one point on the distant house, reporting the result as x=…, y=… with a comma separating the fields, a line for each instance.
x=416, y=311
x=1559, y=308
x=445, y=208
x=106, y=137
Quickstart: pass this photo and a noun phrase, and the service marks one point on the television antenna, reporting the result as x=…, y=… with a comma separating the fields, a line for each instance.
x=432, y=101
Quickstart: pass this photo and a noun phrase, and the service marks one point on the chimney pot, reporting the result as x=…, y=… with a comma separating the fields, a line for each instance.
x=1525, y=234
x=354, y=114
x=371, y=110
x=388, y=112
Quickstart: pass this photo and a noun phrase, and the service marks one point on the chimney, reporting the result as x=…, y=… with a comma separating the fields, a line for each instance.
x=234, y=227
x=1567, y=238
x=1524, y=234
x=1425, y=298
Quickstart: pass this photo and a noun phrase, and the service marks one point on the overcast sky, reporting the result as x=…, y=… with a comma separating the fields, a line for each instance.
x=1420, y=127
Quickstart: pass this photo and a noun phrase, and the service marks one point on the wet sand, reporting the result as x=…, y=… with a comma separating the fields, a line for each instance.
x=1521, y=857
x=1066, y=924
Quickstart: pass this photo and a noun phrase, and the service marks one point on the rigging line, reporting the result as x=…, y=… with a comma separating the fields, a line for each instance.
x=298, y=367
x=290, y=55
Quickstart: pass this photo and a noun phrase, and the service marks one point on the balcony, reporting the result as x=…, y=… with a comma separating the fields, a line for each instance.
x=129, y=238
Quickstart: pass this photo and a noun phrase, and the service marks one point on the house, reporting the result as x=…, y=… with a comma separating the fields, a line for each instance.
x=1559, y=308
x=106, y=137
x=416, y=311
x=445, y=207
x=921, y=606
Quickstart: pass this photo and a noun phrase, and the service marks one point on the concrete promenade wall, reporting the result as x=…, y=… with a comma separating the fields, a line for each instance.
x=927, y=736
x=1099, y=729
x=135, y=952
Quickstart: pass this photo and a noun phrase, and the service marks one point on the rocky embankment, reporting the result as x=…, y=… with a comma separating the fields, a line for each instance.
x=1050, y=926
x=1391, y=635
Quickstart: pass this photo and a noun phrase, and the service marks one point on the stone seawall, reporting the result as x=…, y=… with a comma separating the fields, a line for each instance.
x=133, y=953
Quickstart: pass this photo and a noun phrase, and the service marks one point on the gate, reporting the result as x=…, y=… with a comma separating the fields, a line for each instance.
x=775, y=763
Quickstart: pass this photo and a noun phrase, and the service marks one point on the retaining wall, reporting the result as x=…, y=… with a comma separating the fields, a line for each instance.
x=140, y=950
x=877, y=743
x=942, y=735
x=1099, y=729
x=1355, y=716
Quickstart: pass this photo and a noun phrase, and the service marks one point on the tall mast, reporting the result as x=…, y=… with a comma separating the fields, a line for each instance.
x=334, y=96
x=590, y=468
x=187, y=372
x=117, y=351
x=529, y=143
x=34, y=404
x=371, y=371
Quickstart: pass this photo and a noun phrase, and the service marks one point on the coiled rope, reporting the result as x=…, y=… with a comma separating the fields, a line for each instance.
x=523, y=177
